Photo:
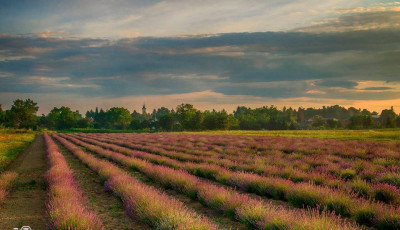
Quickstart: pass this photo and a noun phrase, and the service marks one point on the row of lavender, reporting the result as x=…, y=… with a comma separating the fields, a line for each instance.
x=66, y=205
x=315, y=153
x=279, y=188
x=209, y=144
x=141, y=201
x=303, y=194
x=359, y=149
x=329, y=170
x=251, y=211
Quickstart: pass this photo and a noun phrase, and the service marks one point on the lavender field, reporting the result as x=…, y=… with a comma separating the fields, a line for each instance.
x=256, y=182
x=206, y=181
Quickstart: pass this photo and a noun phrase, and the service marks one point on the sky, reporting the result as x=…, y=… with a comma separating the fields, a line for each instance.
x=212, y=54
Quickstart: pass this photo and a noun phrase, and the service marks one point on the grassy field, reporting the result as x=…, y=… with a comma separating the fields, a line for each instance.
x=11, y=143
x=378, y=134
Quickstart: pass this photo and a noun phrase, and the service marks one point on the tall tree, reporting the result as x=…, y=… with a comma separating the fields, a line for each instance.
x=118, y=118
x=360, y=121
x=216, y=120
x=388, y=118
x=189, y=117
x=166, y=121
x=22, y=114
x=63, y=118
x=318, y=121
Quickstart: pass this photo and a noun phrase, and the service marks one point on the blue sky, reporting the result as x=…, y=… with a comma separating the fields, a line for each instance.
x=213, y=54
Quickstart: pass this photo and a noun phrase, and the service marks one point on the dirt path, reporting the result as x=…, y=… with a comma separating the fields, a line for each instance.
x=25, y=205
x=108, y=207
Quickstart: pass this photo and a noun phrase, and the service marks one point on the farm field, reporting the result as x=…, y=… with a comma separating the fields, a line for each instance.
x=214, y=181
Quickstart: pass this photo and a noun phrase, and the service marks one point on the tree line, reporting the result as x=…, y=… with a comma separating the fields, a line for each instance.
x=22, y=114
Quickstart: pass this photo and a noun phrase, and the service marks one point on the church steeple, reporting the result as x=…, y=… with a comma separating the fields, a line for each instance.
x=144, y=109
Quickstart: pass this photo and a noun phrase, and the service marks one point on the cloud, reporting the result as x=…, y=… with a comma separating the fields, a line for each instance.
x=48, y=82
x=263, y=64
x=338, y=65
x=364, y=19
x=315, y=92
x=393, y=6
x=5, y=74
x=337, y=83
x=133, y=18
x=378, y=88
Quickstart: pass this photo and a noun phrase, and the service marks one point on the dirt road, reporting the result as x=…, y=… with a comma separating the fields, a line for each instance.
x=25, y=205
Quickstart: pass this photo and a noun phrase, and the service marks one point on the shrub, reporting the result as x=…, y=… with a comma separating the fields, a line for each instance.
x=390, y=178
x=390, y=221
x=304, y=195
x=348, y=174
x=365, y=214
x=341, y=205
x=361, y=188
x=368, y=174
x=387, y=193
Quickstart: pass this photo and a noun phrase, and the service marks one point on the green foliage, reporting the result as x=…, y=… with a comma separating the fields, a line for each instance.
x=63, y=118
x=361, y=187
x=348, y=174
x=166, y=121
x=135, y=124
x=390, y=178
x=118, y=118
x=318, y=121
x=22, y=114
x=189, y=117
x=216, y=120
x=387, y=194
x=12, y=142
x=186, y=117
x=84, y=123
x=333, y=123
x=361, y=121
x=265, y=118
x=388, y=118
x=335, y=111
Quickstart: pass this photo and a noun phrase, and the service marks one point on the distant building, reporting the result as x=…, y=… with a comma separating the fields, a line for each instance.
x=144, y=110
x=301, y=114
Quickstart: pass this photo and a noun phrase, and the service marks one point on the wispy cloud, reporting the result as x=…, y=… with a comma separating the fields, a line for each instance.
x=62, y=82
